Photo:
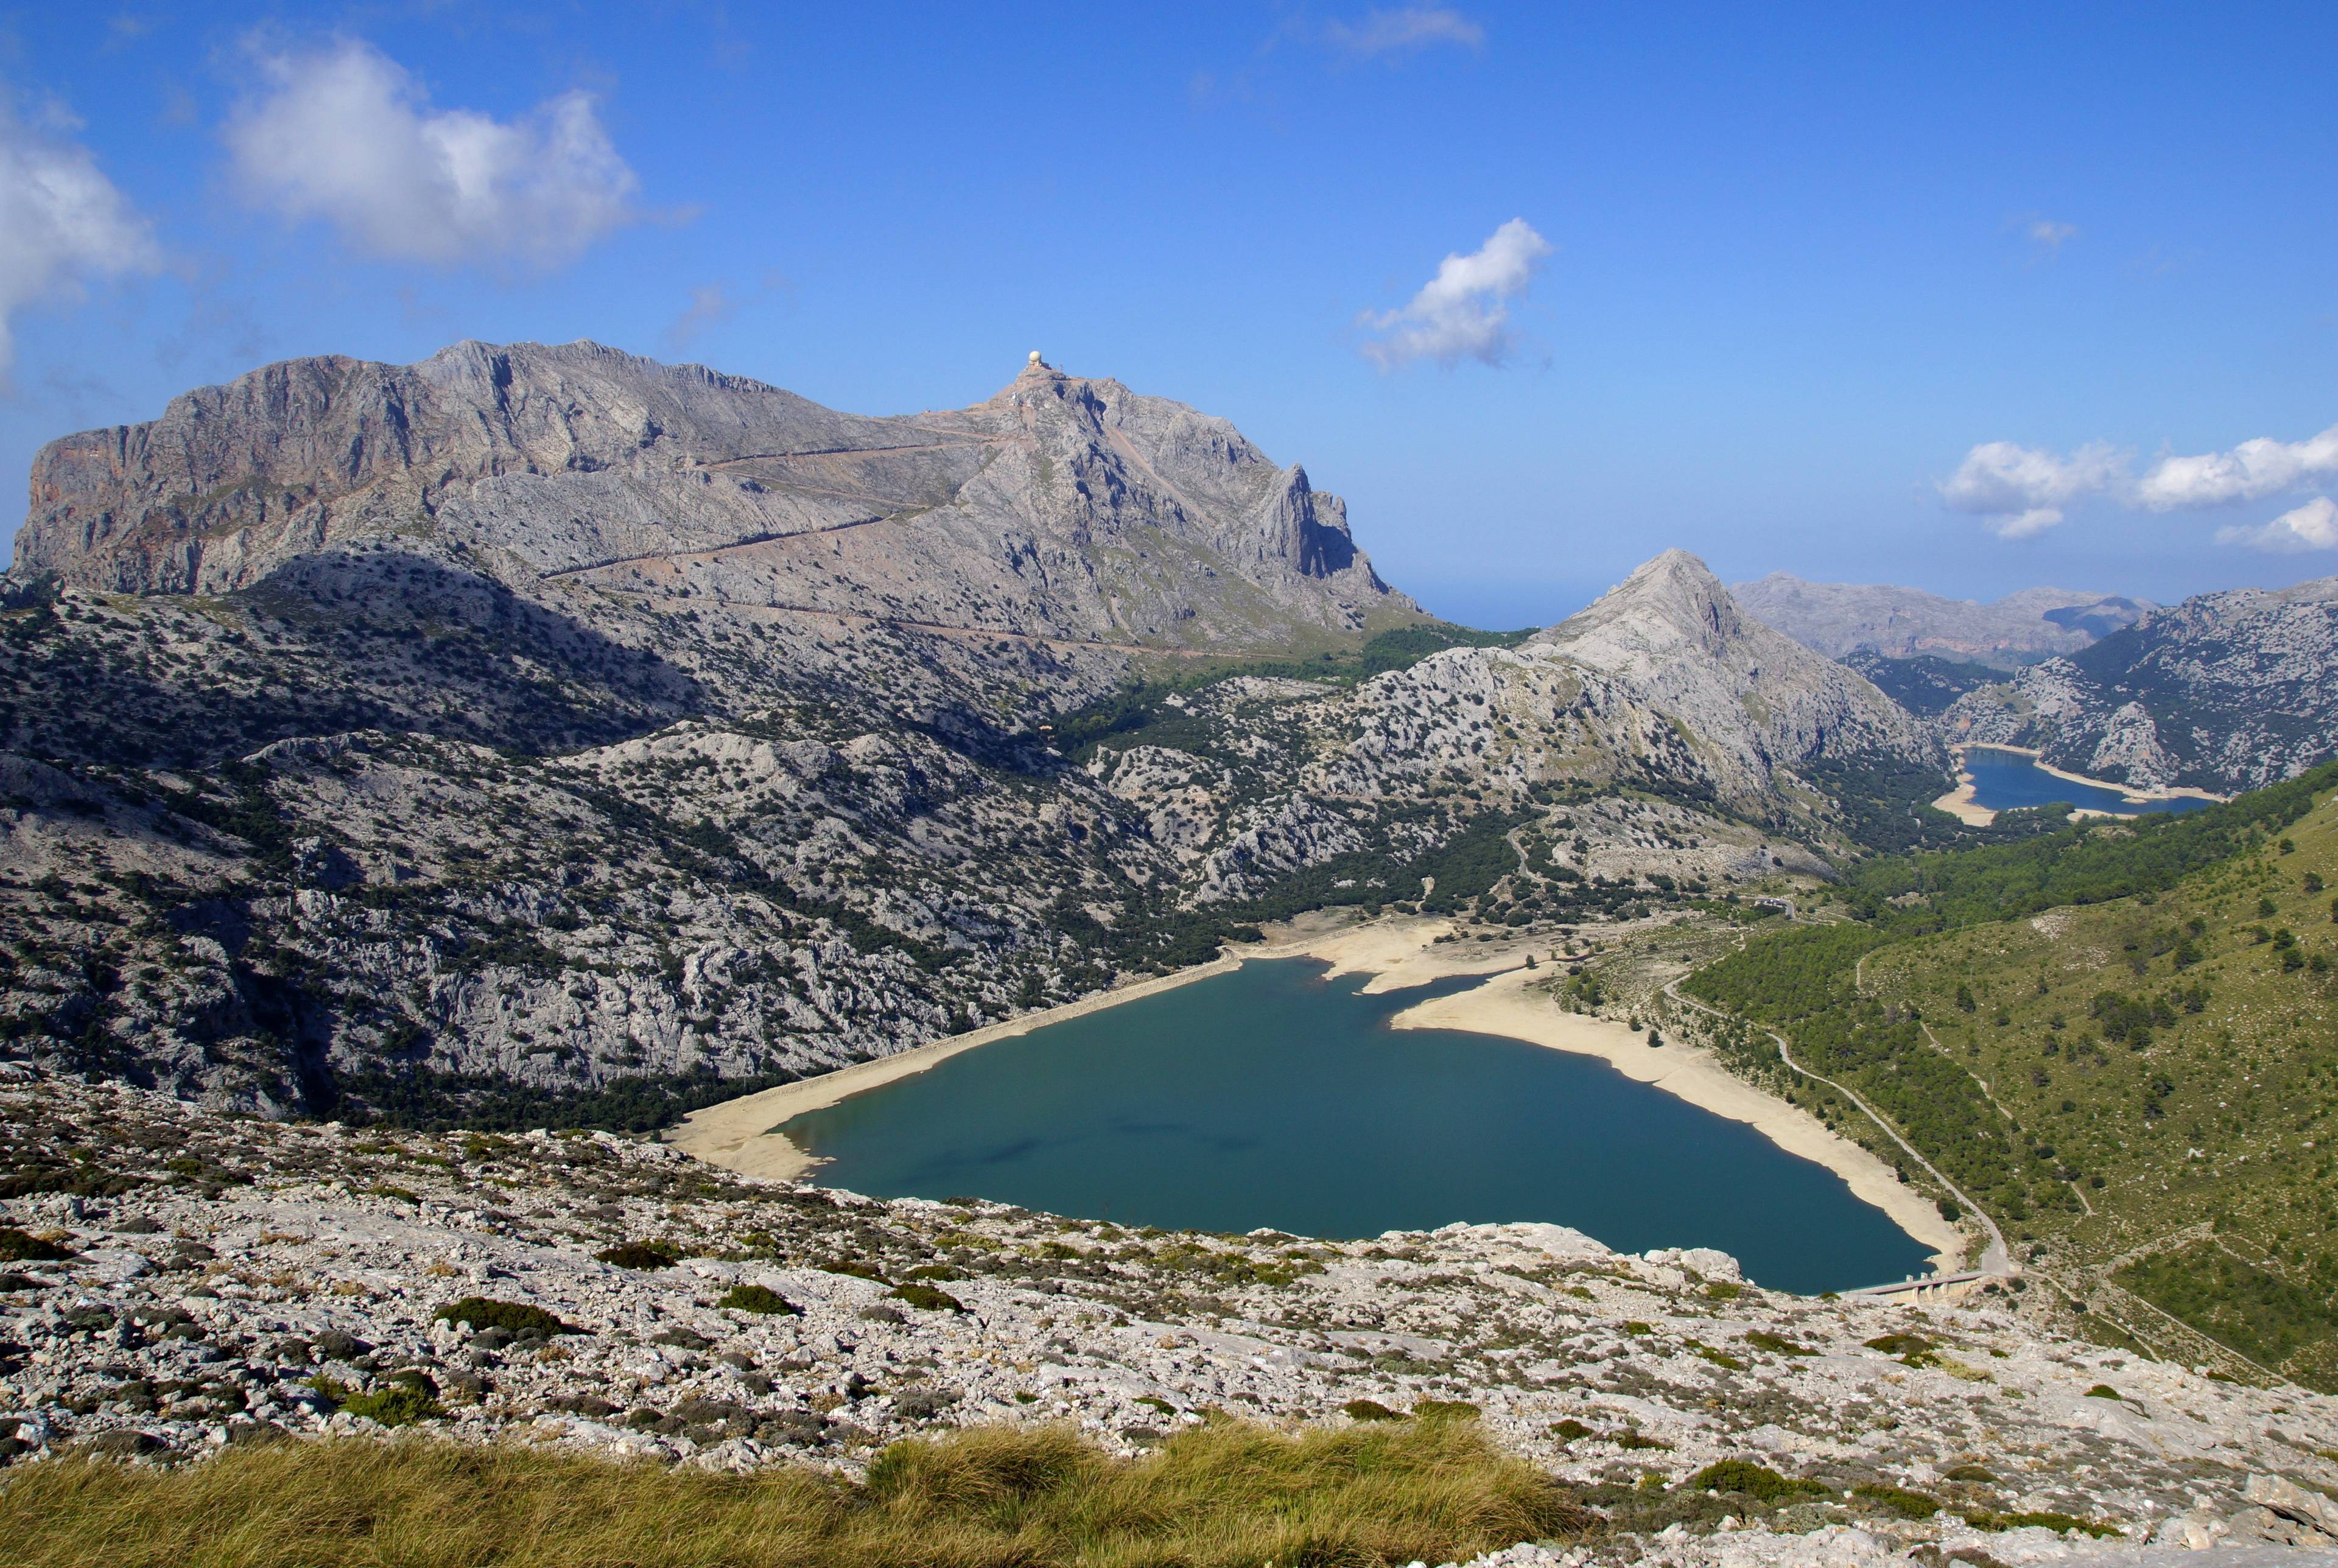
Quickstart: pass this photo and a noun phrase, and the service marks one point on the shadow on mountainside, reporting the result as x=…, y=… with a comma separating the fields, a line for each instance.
x=332, y=642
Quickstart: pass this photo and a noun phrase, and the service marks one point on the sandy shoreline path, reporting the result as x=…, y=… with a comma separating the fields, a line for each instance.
x=1504, y=1006
x=1397, y=952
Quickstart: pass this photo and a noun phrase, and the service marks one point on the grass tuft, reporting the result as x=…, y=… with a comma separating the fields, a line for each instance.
x=988, y=1497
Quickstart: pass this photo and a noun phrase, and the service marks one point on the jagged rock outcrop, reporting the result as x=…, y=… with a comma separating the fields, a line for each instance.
x=2225, y=692
x=1840, y=618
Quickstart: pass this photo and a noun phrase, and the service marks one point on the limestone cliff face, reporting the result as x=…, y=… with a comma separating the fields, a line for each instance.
x=1064, y=506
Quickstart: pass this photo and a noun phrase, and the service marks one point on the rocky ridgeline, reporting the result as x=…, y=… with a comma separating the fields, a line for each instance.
x=251, y=1281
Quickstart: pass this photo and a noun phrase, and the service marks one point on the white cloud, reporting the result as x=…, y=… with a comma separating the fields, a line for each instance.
x=2249, y=472
x=1463, y=312
x=1402, y=31
x=345, y=134
x=62, y=221
x=2312, y=526
x=2018, y=491
x=2050, y=235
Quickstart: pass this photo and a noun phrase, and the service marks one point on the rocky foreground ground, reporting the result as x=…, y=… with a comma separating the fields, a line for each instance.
x=176, y=1281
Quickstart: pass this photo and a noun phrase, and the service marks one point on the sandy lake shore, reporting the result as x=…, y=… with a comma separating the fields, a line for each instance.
x=1397, y=952
x=1959, y=803
x=1504, y=1006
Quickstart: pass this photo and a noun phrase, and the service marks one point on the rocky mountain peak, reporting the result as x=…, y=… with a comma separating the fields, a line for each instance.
x=1677, y=637
x=1671, y=603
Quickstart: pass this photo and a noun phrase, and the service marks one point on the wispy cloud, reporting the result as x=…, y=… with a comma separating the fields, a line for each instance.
x=1463, y=312
x=344, y=135
x=1404, y=30
x=2019, y=491
x=2312, y=526
x=62, y=221
x=2048, y=236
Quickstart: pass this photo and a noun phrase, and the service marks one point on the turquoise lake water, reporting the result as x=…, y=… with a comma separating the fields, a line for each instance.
x=2003, y=780
x=1272, y=1096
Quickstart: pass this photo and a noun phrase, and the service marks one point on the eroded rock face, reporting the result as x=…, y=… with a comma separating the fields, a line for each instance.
x=2225, y=692
x=272, y=1275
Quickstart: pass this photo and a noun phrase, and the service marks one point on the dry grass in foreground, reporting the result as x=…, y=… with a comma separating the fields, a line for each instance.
x=1227, y=1493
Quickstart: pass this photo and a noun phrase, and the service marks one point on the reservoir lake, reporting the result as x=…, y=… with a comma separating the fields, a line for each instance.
x=2004, y=780
x=1274, y=1096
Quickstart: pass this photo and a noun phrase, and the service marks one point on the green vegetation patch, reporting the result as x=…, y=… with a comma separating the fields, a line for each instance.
x=1758, y=1482
x=927, y=1298
x=408, y=1396
x=757, y=1299
x=640, y=1255
x=2270, y=1319
x=1899, y=1500
x=478, y=1312
x=17, y=1247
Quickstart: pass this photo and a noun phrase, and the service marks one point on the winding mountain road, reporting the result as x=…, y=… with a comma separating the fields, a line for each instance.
x=1994, y=1258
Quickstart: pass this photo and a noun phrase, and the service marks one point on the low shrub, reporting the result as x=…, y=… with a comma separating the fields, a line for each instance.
x=925, y=1298
x=408, y=1396
x=1899, y=1500
x=1568, y=1430
x=1981, y=1519
x=478, y=1312
x=856, y=1270
x=758, y=1298
x=1776, y=1344
x=17, y=1247
x=1970, y=1472
x=1626, y=1437
x=1370, y=1410
x=1758, y=1482
x=1901, y=1344
x=640, y=1255
x=939, y=1272
x=2103, y=1391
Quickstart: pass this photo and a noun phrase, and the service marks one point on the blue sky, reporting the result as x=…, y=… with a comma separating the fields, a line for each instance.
x=1866, y=293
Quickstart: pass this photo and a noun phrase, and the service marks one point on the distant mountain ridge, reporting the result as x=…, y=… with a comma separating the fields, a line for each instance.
x=1840, y=618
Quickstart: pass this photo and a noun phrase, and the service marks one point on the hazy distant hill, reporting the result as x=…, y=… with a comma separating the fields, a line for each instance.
x=1839, y=618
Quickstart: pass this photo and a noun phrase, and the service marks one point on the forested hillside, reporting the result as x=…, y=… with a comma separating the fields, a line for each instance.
x=2119, y=1039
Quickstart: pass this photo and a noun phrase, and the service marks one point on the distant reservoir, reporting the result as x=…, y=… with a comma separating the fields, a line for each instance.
x=2004, y=780
x=1272, y=1096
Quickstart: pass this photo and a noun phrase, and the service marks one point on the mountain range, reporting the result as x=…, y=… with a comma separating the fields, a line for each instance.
x=547, y=731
